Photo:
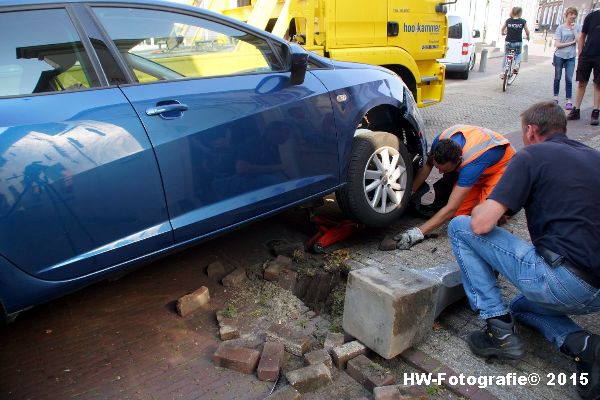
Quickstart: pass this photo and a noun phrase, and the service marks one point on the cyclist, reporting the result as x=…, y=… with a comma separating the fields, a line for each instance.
x=513, y=29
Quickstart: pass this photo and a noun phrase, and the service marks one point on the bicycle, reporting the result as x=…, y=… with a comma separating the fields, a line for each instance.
x=509, y=67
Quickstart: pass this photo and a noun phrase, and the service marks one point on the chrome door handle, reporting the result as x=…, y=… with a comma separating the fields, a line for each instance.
x=166, y=108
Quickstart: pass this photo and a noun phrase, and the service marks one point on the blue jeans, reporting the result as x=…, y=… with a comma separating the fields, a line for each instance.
x=547, y=294
x=513, y=45
x=569, y=66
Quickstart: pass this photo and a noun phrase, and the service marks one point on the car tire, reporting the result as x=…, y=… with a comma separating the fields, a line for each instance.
x=379, y=180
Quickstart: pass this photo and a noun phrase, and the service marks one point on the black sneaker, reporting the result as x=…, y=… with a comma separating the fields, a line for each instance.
x=585, y=347
x=499, y=339
x=573, y=114
x=594, y=120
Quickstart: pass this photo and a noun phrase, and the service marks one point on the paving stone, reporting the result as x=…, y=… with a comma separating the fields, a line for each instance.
x=239, y=359
x=368, y=373
x=228, y=332
x=193, y=301
x=285, y=393
x=271, y=361
x=216, y=269
x=309, y=379
x=287, y=279
x=295, y=342
x=235, y=278
x=342, y=354
x=333, y=340
x=318, y=357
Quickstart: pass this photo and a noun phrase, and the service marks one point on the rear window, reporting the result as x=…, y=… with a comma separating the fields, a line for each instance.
x=454, y=28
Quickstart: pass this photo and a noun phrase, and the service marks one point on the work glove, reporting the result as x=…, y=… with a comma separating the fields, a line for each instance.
x=409, y=238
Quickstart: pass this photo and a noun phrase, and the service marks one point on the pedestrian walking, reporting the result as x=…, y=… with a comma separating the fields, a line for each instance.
x=589, y=60
x=565, y=39
x=472, y=160
x=559, y=273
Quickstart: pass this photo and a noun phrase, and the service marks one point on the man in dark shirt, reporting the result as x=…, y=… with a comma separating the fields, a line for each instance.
x=589, y=59
x=555, y=179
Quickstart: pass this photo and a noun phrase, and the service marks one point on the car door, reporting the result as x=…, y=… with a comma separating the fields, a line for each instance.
x=80, y=189
x=234, y=139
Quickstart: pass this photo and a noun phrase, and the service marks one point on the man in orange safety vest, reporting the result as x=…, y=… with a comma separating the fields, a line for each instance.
x=472, y=159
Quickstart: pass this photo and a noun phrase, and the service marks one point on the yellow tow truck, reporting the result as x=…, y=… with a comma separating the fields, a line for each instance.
x=405, y=36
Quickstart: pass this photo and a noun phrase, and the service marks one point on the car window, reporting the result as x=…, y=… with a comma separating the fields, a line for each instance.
x=162, y=45
x=40, y=51
x=454, y=28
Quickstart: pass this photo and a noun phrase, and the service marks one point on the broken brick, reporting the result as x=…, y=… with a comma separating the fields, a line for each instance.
x=228, y=332
x=333, y=340
x=294, y=342
x=235, y=278
x=271, y=361
x=368, y=373
x=318, y=357
x=309, y=379
x=239, y=359
x=191, y=302
x=347, y=351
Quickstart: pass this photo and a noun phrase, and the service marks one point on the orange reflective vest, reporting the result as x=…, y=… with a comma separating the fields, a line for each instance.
x=478, y=140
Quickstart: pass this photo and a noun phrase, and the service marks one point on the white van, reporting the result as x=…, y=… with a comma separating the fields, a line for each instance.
x=460, y=56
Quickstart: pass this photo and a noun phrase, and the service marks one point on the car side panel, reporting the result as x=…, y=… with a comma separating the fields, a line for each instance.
x=80, y=189
x=246, y=145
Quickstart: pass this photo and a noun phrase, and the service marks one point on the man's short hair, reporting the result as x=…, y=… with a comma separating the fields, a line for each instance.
x=447, y=150
x=548, y=116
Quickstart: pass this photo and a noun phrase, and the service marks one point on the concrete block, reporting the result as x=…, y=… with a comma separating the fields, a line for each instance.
x=191, y=302
x=448, y=278
x=368, y=373
x=287, y=279
x=235, y=278
x=271, y=361
x=318, y=357
x=333, y=340
x=389, y=311
x=285, y=393
x=309, y=379
x=295, y=342
x=216, y=269
x=342, y=354
x=239, y=359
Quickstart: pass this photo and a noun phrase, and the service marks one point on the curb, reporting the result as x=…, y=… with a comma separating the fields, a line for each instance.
x=416, y=358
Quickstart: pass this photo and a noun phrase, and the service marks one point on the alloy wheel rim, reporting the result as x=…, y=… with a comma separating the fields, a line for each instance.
x=384, y=180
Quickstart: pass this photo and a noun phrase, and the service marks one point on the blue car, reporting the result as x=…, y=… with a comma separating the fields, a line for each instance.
x=129, y=129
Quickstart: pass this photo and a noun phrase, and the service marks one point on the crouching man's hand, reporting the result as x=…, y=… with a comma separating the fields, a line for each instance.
x=409, y=238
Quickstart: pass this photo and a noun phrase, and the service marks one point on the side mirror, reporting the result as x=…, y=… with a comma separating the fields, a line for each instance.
x=297, y=60
x=476, y=33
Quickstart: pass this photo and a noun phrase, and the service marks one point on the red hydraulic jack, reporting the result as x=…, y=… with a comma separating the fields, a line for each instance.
x=330, y=232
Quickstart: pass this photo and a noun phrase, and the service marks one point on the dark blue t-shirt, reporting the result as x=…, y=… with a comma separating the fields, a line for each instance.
x=558, y=184
x=470, y=173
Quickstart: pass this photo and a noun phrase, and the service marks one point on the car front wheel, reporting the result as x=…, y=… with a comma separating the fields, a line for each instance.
x=379, y=179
